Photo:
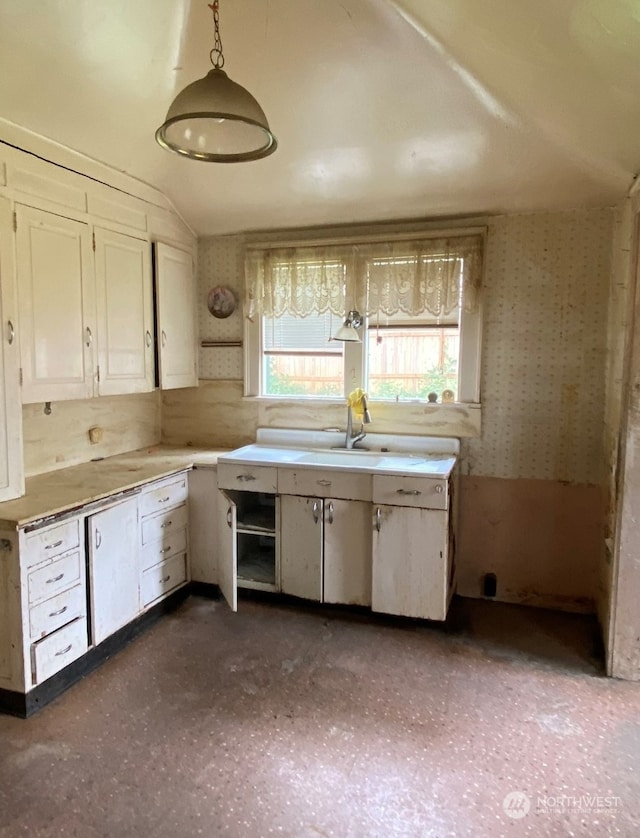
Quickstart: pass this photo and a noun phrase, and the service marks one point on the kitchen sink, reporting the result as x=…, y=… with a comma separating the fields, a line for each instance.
x=332, y=457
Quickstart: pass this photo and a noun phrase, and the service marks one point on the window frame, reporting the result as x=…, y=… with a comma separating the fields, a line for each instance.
x=355, y=357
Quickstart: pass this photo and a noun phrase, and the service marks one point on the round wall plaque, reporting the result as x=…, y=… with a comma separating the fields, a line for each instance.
x=221, y=301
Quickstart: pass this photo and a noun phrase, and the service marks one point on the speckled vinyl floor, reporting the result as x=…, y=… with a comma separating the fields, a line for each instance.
x=301, y=722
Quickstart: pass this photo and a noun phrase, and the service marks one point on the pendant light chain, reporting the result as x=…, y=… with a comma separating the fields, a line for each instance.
x=215, y=56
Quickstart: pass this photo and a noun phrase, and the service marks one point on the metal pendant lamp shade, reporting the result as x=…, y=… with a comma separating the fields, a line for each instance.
x=216, y=120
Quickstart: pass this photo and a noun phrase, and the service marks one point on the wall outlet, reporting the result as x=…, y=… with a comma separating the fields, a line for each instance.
x=95, y=435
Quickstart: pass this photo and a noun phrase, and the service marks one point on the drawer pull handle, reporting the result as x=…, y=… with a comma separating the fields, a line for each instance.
x=246, y=477
x=166, y=550
x=166, y=524
x=324, y=482
x=409, y=492
x=439, y=489
x=64, y=651
x=165, y=578
x=59, y=611
x=54, y=545
x=55, y=578
x=164, y=500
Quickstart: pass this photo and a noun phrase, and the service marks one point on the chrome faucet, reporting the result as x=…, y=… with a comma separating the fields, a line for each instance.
x=352, y=439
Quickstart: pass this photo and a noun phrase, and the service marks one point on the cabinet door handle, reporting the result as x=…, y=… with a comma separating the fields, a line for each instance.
x=165, y=525
x=148, y=336
x=323, y=482
x=64, y=651
x=98, y=538
x=165, y=579
x=316, y=511
x=54, y=545
x=166, y=550
x=378, y=518
x=409, y=492
x=12, y=332
x=246, y=477
x=55, y=578
x=59, y=611
x=229, y=518
x=164, y=338
x=331, y=512
x=89, y=336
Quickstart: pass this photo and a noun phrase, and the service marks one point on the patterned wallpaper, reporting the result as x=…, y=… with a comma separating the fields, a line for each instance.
x=544, y=342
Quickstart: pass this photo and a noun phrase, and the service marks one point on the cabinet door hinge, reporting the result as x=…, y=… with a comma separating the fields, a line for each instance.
x=98, y=374
x=93, y=240
x=21, y=377
x=15, y=221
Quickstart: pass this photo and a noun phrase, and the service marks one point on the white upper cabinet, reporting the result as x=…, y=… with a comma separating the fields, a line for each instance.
x=57, y=306
x=125, y=314
x=176, y=320
x=11, y=462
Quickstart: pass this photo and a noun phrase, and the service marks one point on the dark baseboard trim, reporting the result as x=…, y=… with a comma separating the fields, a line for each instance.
x=19, y=704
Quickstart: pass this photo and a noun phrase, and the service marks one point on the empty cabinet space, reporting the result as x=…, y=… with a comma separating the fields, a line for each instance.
x=256, y=534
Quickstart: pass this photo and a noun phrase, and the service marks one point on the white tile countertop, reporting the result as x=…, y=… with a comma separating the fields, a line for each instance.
x=66, y=489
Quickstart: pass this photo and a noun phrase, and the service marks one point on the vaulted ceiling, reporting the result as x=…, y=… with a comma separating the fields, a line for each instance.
x=382, y=110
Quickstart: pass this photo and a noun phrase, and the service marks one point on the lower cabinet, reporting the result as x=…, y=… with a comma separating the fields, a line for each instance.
x=410, y=562
x=68, y=585
x=325, y=549
x=114, y=578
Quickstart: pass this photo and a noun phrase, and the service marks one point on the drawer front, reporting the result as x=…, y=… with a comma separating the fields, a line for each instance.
x=422, y=492
x=158, y=526
x=163, y=548
x=161, y=579
x=52, y=541
x=248, y=478
x=325, y=483
x=168, y=494
x=59, y=649
x=55, y=612
x=54, y=577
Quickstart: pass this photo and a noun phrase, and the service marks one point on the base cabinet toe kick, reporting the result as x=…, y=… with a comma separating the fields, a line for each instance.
x=382, y=541
x=68, y=586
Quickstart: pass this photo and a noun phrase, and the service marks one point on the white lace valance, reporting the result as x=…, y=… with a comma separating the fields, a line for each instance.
x=416, y=276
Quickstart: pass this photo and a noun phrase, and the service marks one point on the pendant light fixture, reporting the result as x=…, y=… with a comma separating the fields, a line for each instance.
x=348, y=331
x=214, y=119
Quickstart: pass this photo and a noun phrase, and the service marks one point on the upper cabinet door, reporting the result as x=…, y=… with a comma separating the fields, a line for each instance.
x=177, y=331
x=57, y=307
x=11, y=462
x=125, y=314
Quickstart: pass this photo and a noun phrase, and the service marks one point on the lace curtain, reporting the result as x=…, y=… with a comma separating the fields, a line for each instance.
x=413, y=277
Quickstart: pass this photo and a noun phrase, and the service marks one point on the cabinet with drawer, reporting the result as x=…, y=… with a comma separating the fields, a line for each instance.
x=43, y=601
x=164, y=538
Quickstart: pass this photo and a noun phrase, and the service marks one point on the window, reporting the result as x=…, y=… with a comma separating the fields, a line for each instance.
x=421, y=332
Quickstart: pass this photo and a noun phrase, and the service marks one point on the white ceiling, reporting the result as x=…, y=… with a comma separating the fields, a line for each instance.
x=382, y=109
